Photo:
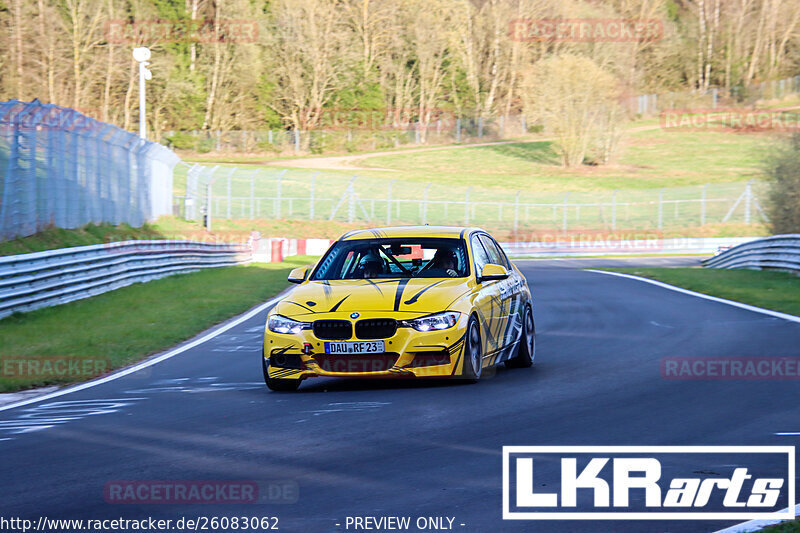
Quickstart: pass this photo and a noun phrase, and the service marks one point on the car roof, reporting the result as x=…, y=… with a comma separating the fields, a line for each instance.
x=409, y=232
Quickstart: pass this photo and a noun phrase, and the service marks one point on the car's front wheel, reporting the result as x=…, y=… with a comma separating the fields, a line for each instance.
x=280, y=385
x=473, y=357
x=527, y=347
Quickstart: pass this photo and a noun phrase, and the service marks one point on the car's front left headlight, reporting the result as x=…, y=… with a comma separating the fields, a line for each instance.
x=436, y=322
x=281, y=324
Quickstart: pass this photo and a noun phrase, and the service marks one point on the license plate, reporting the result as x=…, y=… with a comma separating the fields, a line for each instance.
x=348, y=347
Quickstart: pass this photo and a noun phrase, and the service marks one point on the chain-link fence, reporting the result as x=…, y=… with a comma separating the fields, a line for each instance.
x=244, y=193
x=64, y=169
x=651, y=104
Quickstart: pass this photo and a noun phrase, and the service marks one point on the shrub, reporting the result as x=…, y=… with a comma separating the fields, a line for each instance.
x=182, y=140
x=783, y=200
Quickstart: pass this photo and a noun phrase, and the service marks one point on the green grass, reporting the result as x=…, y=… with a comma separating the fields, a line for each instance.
x=52, y=238
x=778, y=291
x=123, y=326
x=651, y=158
x=250, y=159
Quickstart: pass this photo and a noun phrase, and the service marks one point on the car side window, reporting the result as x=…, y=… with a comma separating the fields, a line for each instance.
x=503, y=256
x=479, y=255
x=496, y=257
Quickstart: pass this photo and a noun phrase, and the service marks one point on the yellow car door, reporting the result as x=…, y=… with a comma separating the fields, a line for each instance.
x=487, y=302
x=508, y=295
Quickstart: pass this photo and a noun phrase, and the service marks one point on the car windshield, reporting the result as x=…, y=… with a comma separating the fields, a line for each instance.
x=394, y=258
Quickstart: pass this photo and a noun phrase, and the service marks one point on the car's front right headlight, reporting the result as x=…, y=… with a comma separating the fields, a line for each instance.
x=436, y=322
x=281, y=324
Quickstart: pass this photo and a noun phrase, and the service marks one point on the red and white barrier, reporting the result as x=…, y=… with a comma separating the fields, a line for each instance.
x=276, y=249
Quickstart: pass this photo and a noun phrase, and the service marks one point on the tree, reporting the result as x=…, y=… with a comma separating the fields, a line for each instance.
x=83, y=24
x=403, y=59
x=431, y=29
x=309, y=52
x=231, y=69
x=575, y=99
x=397, y=77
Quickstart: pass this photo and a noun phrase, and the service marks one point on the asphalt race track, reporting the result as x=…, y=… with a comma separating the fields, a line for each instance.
x=361, y=448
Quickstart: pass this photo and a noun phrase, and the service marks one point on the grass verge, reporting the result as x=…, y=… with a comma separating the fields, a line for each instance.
x=648, y=159
x=779, y=291
x=118, y=328
x=52, y=238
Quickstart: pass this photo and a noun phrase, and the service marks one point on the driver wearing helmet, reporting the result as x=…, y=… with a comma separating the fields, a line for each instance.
x=445, y=260
x=372, y=265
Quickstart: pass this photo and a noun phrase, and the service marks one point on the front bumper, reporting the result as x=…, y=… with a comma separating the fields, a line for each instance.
x=409, y=353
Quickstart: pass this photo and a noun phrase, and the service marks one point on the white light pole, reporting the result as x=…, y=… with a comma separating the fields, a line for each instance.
x=142, y=55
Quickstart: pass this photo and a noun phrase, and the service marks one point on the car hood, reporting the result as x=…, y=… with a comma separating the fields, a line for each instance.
x=415, y=295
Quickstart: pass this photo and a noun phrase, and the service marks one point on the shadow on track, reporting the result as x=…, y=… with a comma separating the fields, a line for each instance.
x=313, y=385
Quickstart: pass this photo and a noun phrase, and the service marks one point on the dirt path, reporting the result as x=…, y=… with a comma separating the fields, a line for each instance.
x=351, y=162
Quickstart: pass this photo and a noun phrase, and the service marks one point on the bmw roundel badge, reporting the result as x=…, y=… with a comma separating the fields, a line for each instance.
x=354, y=315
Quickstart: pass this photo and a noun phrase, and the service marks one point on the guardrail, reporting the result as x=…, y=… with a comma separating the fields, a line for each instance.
x=591, y=245
x=53, y=277
x=778, y=252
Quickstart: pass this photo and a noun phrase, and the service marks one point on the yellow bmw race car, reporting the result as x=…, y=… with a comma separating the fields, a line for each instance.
x=419, y=301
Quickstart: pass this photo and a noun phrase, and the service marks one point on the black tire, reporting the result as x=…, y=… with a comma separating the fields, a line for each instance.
x=279, y=385
x=527, y=346
x=473, y=357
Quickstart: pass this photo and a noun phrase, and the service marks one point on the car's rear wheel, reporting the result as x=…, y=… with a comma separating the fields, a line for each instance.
x=527, y=347
x=473, y=357
x=280, y=385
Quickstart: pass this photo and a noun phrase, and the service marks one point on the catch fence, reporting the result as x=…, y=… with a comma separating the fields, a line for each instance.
x=234, y=192
x=64, y=169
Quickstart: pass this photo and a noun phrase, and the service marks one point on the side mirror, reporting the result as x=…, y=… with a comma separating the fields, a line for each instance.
x=493, y=272
x=298, y=275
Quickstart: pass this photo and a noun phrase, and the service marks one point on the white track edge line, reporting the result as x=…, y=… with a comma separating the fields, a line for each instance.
x=149, y=362
x=756, y=525
x=777, y=314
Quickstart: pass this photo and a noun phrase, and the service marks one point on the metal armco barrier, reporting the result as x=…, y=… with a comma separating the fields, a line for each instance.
x=778, y=252
x=587, y=245
x=53, y=277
